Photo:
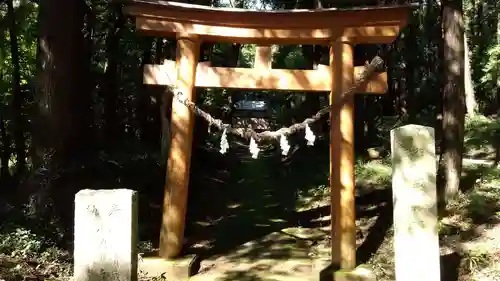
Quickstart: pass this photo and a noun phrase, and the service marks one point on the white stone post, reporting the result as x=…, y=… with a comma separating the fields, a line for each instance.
x=105, y=247
x=416, y=242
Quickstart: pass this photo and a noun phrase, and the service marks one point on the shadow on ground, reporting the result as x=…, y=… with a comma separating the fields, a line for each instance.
x=235, y=199
x=247, y=199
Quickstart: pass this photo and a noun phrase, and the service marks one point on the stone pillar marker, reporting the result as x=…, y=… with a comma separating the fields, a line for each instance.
x=416, y=242
x=105, y=247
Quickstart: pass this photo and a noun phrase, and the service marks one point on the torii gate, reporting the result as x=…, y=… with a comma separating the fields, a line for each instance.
x=338, y=28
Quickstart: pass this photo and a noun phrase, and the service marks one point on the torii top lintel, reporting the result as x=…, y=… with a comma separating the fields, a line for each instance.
x=368, y=25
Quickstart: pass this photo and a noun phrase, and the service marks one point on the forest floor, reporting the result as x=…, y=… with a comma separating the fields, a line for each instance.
x=266, y=199
x=470, y=235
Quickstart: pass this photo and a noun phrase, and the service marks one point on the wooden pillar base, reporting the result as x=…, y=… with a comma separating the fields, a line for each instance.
x=178, y=269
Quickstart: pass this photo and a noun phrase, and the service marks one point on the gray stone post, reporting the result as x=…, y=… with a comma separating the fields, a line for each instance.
x=105, y=246
x=416, y=242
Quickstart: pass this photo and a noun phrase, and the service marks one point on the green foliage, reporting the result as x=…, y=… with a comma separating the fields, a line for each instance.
x=481, y=30
x=476, y=260
x=484, y=199
x=28, y=238
x=481, y=132
x=20, y=243
x=26, y=15
x=492, y=68
x=376, y=172
x=21, y=250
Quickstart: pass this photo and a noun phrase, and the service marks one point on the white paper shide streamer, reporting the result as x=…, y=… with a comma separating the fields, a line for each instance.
x=310, y=137
x=224, y=144
x=254, y=149
x=285, y=147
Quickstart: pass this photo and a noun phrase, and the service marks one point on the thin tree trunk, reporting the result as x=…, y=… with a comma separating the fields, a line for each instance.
x=497, y=148
x=498, y=75
x=17, y=100
x=166, y=103
x=390, y=100
x=470, y=97
x=143, y=103
x=412, y=105
x=112, y=124
x=232, y=94
x=5, y=156
x=312, y=55
x=89, y=77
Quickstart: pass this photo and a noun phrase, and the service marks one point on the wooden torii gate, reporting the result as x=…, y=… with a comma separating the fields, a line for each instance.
x=340, y=29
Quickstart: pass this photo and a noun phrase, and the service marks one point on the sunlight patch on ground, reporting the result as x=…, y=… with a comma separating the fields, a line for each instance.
x=277, y=256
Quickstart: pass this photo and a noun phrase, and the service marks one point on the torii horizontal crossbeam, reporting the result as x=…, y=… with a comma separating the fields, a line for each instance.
x=375, y=25
x=318, y=80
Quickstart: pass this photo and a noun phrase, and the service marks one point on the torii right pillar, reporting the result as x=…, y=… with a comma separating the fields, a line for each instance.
x=342, y=184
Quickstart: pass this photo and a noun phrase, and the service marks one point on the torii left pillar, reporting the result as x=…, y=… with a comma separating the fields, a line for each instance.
x=342, y=183
x=179, y=158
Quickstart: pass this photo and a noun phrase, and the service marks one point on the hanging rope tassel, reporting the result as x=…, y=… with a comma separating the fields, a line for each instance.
x=254, y=149
x=224, y=144
x=310, y=137
x=285, y=147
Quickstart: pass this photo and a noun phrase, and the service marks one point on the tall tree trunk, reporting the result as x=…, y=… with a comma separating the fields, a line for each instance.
x=112, y=124
x=498, y=74
x=5, y=149
x=165, y=105
x=143, y=100
x=390, y=100
x=411, y=49
x=498, y=24
x=17, y=100
x=60, y=78
x=233, y=95
x=450, y=164
x=163, y=51
x=89, y=77
x=61, y=128
x=312, y=55
x=470, y=97
x=497, y=143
